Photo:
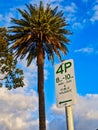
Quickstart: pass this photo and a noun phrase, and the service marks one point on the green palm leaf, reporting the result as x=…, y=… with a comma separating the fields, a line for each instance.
x=39, y=24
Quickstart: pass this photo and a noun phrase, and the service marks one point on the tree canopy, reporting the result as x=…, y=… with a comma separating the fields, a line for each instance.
x=10, y=75
x=39, y=25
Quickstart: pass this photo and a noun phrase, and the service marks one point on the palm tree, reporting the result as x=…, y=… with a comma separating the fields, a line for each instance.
x=40, y=31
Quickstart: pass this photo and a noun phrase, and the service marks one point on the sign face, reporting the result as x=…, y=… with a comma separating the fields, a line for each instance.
x=65, y=84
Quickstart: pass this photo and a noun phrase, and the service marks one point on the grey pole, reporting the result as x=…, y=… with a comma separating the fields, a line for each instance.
x=69, y=117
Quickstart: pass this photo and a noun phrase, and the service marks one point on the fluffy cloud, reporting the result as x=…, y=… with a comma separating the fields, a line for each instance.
x=30, y=73
x=77, y=25
x=18, y=110
x=95, y=13
x=85, y=114
x=71, y=8
x=70, y=11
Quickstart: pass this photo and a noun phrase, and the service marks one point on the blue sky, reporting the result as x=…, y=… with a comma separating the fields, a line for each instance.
x=82, y=17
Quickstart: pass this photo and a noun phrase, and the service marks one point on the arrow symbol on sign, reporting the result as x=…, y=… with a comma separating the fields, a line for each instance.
x=65, y=101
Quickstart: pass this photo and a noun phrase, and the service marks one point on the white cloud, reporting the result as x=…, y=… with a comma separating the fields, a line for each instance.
x=85, y=114
x=5, y=20
x=57, y=124
x=95, y=13
x=71, y=8
x=9, y=15
x=18, y=110
x=89, y=101
x=30, y=73
x=80, y=24
x=85, y=50
x=77, y=25
x=70, y=12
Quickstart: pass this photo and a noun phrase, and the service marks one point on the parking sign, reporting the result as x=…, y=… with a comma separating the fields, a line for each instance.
x=65, y=84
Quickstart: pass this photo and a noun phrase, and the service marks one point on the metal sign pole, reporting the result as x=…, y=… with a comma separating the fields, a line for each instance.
x=69, y=118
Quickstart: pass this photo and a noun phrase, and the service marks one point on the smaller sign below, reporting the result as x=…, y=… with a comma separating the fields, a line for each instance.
x=65, y=84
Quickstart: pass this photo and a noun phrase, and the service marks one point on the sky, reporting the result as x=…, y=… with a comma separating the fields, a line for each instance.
x=19, y=107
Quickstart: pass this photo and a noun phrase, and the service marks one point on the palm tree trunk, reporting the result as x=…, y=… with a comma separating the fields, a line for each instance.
x=40, y=65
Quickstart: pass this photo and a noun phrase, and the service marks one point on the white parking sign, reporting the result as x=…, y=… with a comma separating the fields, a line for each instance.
x=65, y=84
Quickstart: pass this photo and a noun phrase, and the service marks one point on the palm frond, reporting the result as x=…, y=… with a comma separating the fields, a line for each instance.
x=39, y=24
